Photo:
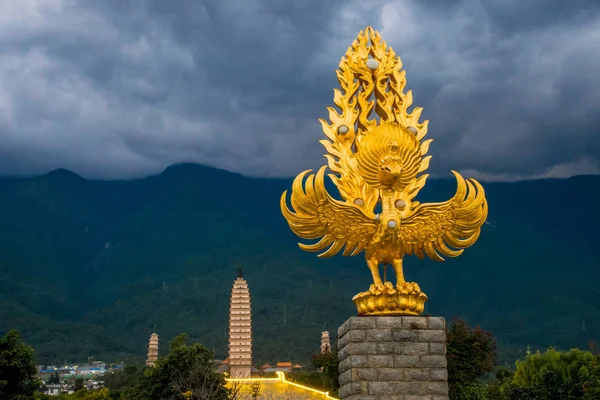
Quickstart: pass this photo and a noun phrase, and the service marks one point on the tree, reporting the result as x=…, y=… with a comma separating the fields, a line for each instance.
x=54, y=379
x=328, y=364
x=471, y=354
x=120, y=380
x=554, y=375
x=17, y=369
x=187, y=368
x=78, y=384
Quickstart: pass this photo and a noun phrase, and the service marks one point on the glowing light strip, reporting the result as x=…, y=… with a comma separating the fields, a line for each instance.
x=281, y=378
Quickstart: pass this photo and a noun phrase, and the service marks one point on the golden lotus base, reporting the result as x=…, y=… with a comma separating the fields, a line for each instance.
x=404, y=299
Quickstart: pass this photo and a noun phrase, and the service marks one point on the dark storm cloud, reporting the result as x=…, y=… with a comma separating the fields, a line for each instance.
x=113, y=88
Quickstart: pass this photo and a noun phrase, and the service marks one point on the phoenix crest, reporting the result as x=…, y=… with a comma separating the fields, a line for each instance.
x=377, y=157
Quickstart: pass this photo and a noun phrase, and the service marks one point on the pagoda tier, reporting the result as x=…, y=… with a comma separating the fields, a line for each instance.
x=240, y=330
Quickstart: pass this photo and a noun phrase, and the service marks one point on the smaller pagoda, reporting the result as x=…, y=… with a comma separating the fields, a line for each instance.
x=325, y=343
x=152, y=350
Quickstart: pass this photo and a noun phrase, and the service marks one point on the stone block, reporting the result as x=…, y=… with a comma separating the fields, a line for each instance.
x=439, y=374
x=363, y=322
x=357, y=335
x=437, y=349
x=353, y=389
x=414, y=322
x=345, y=391
x=384, y=361
x=397, y=347
x=433, y=361
x=345, y=377
x=353, y=323
x=405, y=335
x=436, y=323
x=382, y=388
x=416, y=374
x=343, y=353
x=408, y=388
x=436, y=388
x=342, y=341
x=386, y=348
x=343, y=329
x=351, y=336
x=364, y=374
x=417, y=397
x=389, y=322
x=415, y=349
x=379, y=335
x=432, y=335
x=361, y=348
x=352, y=362
x=403, y=361
x=443, y=397
x=390, y=374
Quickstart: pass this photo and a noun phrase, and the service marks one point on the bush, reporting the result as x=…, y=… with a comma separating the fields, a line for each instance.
x=573, y=374
x=471, y=354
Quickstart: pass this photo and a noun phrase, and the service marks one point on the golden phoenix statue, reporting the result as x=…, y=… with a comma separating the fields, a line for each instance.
x=378, y=159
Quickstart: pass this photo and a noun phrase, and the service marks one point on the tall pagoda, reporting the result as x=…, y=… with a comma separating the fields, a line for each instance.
x=152, y=350
x=240, y=330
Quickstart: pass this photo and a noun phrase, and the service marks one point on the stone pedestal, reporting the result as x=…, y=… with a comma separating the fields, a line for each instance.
x=393, y=358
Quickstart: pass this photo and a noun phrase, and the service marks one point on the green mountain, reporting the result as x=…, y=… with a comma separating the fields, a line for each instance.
x=88, y=268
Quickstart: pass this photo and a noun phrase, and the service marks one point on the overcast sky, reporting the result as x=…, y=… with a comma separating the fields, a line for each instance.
x=124, y=88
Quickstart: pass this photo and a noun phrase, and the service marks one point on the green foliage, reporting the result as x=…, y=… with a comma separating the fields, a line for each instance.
x=471, y=354
x=187, y=368
x=551, y=375
x=470, y=391
x=328, y=363
x=81, y=394
x=78, y=384
x=120, y=380
x=17, y=370
x=54, y=379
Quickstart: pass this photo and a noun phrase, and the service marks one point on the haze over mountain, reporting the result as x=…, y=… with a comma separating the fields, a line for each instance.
x=90, y=267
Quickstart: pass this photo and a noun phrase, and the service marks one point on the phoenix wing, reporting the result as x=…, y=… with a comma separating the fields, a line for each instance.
x=433, y=227
x=319, y=216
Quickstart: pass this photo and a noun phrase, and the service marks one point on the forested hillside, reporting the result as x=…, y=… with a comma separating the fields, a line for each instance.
x=90, y=267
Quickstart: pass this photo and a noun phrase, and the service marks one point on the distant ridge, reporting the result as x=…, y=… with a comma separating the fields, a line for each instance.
x=190, y=168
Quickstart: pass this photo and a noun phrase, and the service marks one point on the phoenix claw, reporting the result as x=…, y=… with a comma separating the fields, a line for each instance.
x=386, y=287
x=389, y=288
x=376, y=289
x=408, y=287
